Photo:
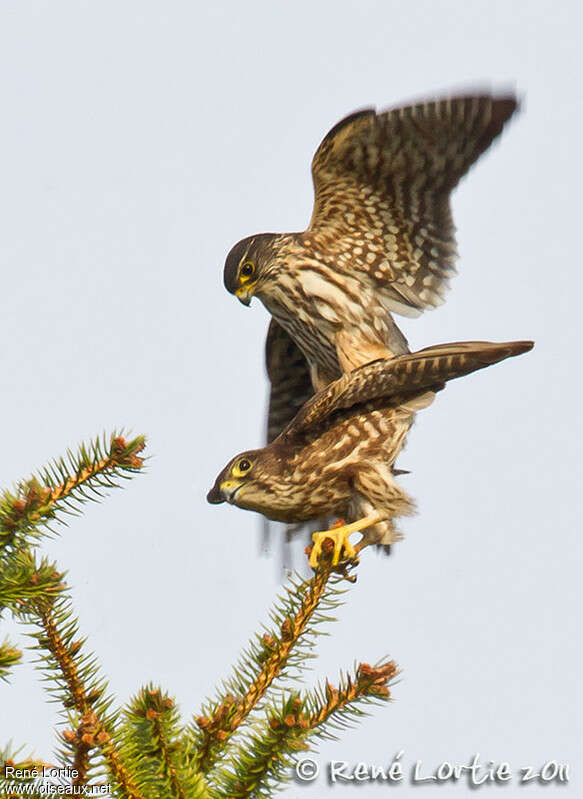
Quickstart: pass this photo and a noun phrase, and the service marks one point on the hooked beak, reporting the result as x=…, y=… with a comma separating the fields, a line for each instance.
x=244, y=295
x=224, y=492
x=214, y=496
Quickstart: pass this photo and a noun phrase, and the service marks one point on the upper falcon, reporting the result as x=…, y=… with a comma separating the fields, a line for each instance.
x=380, y=240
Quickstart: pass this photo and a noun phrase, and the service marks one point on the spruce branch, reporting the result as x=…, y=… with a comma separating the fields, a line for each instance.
x=266, y=754
x=70, y=669
x=80, y=742
x=64, y=485
x=337, y=706
x=80, y=690
x=9, y=657
x=258, y=767
x=153, y=738
x=243, y=742
x=23, y=580
x=265, y=660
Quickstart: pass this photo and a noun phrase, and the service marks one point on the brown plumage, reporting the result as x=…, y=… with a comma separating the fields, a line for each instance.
x=337, y=455
x=380, y=240
x=289, y=378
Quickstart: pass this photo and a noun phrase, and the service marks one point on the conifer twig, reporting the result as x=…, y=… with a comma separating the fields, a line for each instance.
x=153, y=734
x=370, y=682
x=146, y=749
x=260, y=763
x=81, y=741
x=93, y=731
x=62, y=485
x=168, y=765
x=154, y=707
x=217, y=728
x=169, y=768
x=22, y=580
x=9, y=657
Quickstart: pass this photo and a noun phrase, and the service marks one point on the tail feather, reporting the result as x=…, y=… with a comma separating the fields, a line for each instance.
x=447, y=361
x=405, y=378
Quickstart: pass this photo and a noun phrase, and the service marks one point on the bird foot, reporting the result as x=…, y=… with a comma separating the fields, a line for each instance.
x=342, y=546
x=340, y=538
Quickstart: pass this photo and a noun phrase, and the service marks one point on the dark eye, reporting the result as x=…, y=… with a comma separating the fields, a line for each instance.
x=247, y=269
x=244, y=465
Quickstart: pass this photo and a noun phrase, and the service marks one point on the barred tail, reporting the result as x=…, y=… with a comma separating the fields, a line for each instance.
x=404, y=379
x=443, y=362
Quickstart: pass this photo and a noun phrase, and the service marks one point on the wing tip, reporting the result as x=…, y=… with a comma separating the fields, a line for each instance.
x=339, y=126
x=520, y=347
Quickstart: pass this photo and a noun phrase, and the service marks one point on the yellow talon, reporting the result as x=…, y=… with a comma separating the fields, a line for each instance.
x=341, y=538
x=341, y=543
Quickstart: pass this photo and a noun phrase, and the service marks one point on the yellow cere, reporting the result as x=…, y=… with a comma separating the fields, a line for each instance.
x=227, y=485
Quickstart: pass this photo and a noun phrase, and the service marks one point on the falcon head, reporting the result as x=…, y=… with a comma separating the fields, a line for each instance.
x=248, y=481
x=250, y=264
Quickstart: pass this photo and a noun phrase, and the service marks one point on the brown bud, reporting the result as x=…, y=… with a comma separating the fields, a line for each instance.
x=33, y=493
x=118, y=444
x=378, y=677
x=328, y=546
x=365, y=670
x=286, y=630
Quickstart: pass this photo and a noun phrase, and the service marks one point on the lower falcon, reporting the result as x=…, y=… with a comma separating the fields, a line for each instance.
x=337, y=455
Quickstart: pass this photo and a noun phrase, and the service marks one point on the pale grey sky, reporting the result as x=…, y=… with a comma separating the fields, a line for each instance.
x=139, y=141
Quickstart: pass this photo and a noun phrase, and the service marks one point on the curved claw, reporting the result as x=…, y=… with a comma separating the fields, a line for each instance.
x=341, y=539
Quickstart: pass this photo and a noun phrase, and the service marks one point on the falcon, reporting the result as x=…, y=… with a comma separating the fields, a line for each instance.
x=337, y=455
x=380, y=241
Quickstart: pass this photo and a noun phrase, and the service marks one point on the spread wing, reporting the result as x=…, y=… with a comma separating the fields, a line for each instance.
x=403, y=378
x=382, y=183
x=289, y=377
